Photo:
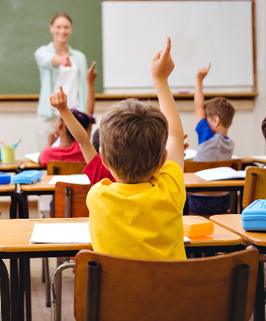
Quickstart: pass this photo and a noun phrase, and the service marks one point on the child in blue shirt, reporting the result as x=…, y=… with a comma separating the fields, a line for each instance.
x=214, y=117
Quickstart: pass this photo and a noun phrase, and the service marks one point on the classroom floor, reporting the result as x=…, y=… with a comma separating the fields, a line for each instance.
x=39, y=309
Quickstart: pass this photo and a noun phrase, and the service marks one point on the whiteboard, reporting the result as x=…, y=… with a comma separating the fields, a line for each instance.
x=219, y=32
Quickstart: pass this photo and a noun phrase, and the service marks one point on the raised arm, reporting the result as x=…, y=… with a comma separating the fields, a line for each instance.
x=91, y=77
x=59, y=101
x=199, y=97
x=161, y=68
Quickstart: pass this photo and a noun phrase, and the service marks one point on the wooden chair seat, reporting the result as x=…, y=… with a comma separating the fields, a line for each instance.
x=129, y=289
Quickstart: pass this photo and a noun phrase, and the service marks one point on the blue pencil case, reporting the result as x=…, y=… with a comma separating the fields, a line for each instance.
x=254, y=216
x=4, y=178
x=27, y=177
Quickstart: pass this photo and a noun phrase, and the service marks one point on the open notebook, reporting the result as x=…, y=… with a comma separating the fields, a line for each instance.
x=64, y=233
x=220, y=173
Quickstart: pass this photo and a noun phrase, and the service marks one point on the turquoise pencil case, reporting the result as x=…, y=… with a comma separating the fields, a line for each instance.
x=4, y=178
x=27, y=177
x=254, y=216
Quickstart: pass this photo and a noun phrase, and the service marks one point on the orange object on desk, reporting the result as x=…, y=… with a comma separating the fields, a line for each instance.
x=196, y=226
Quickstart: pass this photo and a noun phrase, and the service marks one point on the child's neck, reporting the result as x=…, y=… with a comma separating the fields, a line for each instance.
x=221, y=130
x=66, y=141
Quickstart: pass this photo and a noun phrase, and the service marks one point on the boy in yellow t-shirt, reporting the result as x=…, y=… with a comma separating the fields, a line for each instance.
x=141, y=214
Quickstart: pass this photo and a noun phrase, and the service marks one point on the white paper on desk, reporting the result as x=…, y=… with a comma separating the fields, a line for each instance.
x=262, y=157
x=60, y=233
x=220, y=173
x=187, y=240
x=74, y=179
x=190, y=154
x=34, y=157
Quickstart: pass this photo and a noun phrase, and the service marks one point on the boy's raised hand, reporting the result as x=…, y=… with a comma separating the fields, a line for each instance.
x=59, y=99
x=92, y=73
x=162, y=64
x=202, y=72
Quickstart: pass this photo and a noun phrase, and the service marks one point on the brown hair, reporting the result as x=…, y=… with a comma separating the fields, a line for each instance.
x=263, y=127
x=133, y=137
x=221, y=107
x=61, y=14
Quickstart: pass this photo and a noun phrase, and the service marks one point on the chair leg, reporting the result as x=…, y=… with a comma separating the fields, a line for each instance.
x=56, y=290
x=47, y=282
x=5, y=295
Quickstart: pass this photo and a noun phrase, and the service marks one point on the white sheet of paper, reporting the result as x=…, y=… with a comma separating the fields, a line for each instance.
x=262, y=157
x=187, y=240
x=60, y=233
x=33, y=157
x=220, y=173
x=190, y=153
x=74, y=179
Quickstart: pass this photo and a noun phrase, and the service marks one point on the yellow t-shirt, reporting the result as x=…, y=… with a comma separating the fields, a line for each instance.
x=140, y=220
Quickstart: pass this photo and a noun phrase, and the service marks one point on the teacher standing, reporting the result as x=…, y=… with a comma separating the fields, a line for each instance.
x=59, y=65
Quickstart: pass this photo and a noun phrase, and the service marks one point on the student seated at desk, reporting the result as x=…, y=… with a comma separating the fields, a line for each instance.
x=61, y=144
x=140, y=215
x=263, y=127
x=214, y=117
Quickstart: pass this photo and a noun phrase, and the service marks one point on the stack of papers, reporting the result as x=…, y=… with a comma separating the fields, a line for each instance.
x=220, y=173
x=60, y=233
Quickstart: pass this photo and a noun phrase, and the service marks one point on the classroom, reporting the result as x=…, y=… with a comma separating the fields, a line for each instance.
x=18, y=110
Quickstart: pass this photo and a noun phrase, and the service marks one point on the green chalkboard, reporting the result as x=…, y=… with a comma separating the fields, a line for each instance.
x=24, y=26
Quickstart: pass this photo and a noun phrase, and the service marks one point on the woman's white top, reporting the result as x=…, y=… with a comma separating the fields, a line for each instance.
x=68, y=79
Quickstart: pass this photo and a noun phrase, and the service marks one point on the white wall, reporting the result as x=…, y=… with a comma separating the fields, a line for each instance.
x=245, y=130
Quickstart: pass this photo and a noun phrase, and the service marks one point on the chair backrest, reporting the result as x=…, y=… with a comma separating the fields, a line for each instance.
x=70, y=200
x=191, y=166
x=65, y=168
x=194, y=289
x=255, y=185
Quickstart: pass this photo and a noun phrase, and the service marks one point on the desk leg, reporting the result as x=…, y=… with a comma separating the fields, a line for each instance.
x=259, y=308
x=25, y=280
x=5, y=300
x=16, y=314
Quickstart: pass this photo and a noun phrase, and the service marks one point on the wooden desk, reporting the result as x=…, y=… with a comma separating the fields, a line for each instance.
x=233, y=223
x=250, y=159
x=14, y=244
x=30, y=165
x=193, y=183
x=11, y=167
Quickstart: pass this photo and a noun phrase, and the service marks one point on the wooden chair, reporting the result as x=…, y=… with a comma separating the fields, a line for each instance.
x=219, y=288
x=192, y=167
x=255, y=185
x=65, y=168
x=70, y=201
x=57, y=168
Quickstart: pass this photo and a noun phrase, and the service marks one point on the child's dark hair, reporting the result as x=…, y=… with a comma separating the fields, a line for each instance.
x=263, y=127
x=96, y=140
x=84, y=120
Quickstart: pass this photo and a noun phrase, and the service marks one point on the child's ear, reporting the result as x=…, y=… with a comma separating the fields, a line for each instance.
x=162, y=161
x=105, y=164
x=216, y=120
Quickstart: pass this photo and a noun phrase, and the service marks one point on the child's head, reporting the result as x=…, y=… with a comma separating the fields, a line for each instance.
x=96, y=140
x=263, y=127
x=133, y=137
x=221, y=107
x=84, y=119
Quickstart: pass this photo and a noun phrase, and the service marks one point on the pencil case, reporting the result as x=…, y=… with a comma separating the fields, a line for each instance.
x=254, y=216
x=27, y=177
x=197, y=226
x=4, y=178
